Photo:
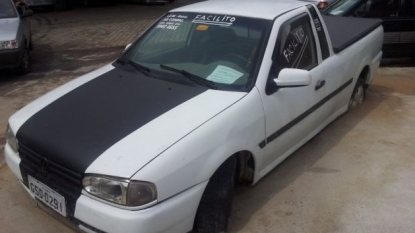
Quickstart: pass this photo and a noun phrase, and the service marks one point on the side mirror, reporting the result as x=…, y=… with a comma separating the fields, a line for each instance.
x=293, y=78
x=26, y=14
x=126, y=47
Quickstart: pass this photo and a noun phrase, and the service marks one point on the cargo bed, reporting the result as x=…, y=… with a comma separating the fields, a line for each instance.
x=344, y=31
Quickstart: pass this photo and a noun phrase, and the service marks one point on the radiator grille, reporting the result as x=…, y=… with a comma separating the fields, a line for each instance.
x=61, y=179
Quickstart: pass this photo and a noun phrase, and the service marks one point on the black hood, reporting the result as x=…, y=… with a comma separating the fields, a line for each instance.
x=78, y=127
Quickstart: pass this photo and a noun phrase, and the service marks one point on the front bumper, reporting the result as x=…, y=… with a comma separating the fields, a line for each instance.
x=175, y=214
x=10, y=58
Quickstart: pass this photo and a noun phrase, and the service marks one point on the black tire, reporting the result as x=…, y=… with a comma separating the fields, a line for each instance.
x=60, y=5
x=215, y=205
x=112, y=2
x=87, y=3
x=50, y=8
x=30, y=45
x=24, y=67
x=358, y=95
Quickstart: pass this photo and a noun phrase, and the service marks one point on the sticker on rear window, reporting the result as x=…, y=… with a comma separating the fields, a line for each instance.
x=172, y=22
x=223, y=74
x=221, y=20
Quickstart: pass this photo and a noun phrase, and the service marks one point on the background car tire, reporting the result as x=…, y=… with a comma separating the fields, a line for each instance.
x=30, y=45
x=215, y=205
x=359, y=94
x=25, y=65
x=86, y=3
x=112, y=2
x=60, y=5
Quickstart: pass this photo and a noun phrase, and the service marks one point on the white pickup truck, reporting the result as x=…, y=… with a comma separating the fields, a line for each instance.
x=211, y=94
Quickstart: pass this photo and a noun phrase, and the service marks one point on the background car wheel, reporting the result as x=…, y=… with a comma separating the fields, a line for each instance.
x=60, y=5
x=215, y=206
x=30, y=45
x=112, y=2
x=24, y=66
x=87, y=3
x=359, y=94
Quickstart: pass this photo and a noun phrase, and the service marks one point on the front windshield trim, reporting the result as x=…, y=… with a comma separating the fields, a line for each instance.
x=252, y=72
x=259, y=59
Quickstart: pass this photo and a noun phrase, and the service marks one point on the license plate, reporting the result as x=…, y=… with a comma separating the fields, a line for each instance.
x=47, y=195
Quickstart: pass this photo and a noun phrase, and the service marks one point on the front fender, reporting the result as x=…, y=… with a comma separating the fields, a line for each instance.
x=196, y=157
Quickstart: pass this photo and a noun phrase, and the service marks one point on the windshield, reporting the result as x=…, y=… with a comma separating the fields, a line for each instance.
x=341, y=7
x=222, y=49
x=7, y=9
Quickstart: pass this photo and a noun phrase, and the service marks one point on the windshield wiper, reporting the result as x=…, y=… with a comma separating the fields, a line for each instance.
x=190, y=76
x=144, y=69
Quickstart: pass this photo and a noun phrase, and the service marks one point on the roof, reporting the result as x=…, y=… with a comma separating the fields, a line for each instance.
x=265, y=9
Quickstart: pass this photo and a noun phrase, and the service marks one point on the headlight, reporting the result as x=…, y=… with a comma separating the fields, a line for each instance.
x=9, y=44
x=128, y=193
x=11, y=139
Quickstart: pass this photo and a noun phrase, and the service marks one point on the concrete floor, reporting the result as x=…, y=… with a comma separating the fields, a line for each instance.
x=357, y=175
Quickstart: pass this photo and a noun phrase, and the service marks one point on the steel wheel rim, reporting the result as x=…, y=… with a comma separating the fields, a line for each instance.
x=357, y=97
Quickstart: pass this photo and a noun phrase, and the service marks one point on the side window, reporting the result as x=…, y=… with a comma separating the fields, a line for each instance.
x=325, y=52
x=296, y=45
x=383, y=8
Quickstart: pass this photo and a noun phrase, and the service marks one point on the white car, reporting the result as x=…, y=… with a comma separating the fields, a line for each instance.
x=15, y=37
x=210, y=94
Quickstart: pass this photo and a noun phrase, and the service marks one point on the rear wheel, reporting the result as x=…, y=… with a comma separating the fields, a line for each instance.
x=359, y=94
x=215, y=206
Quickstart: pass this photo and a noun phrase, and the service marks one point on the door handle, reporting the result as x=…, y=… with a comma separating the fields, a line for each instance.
x=320, y=84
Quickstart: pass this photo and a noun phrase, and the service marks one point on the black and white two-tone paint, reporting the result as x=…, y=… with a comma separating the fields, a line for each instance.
x=136, y=145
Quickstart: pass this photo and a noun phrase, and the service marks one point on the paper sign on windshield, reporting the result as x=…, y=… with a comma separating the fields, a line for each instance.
x=223, y=74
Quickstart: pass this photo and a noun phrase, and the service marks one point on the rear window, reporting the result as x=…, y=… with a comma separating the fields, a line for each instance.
x=7, y=9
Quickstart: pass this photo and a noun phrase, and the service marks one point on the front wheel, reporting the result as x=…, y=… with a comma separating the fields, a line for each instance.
x=24, y=66
x=359, y=94
x=215, y=206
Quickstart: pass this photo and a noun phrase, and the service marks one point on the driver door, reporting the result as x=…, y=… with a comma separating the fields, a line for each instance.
x=292, y=113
